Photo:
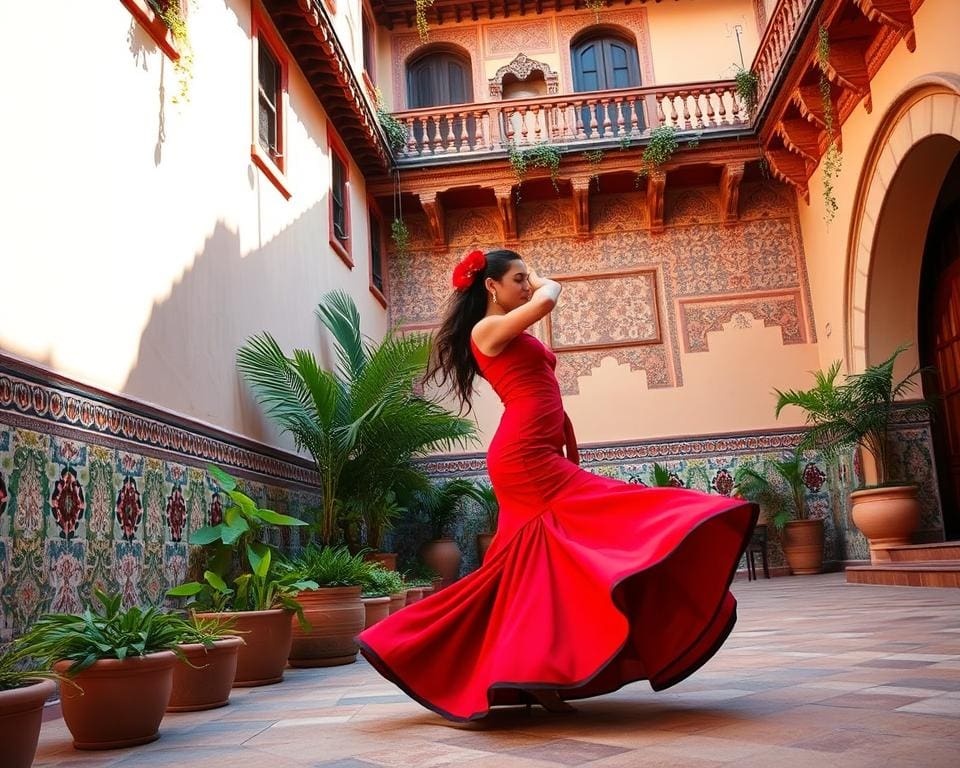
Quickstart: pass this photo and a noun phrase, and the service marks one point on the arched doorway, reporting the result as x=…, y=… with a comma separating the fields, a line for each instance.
x=903, y=191
x=603, y=59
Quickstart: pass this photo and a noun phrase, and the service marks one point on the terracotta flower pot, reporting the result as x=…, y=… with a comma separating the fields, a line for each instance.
x=120, y=704
x=886, y=516
x=442, y=556
x=437, y=584
x=398, y=601
x=336, y=616
x=376, y=609
x=483, y=544
x=803, y=546
x=414, y=595
x=387, y=559
x=206, y=684
x=21, y=711
x=266, y=644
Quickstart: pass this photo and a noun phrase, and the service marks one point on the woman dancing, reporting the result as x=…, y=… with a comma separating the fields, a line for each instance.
x=590, y=583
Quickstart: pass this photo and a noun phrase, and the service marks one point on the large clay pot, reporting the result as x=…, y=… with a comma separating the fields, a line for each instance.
x=398, y=601
x=483, y=544
x=120, y=703
x=266, y=644
x=336, y=616
x=886, y=516
x=387, y=559
x=442, y=556
x=207, y=683
x=375, y=609
x=414, y=595
x=21, y=711
x=803, y=546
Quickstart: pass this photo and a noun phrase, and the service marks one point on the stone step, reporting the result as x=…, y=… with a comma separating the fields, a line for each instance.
x=940, y=550
x=920, y=573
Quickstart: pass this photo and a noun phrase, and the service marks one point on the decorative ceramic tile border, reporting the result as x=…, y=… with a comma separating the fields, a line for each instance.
x=34, y=398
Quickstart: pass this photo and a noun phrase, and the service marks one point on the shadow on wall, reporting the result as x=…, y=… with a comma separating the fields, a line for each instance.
x=187, y=355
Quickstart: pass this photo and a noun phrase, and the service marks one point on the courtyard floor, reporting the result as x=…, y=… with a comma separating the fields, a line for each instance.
x=817, y=673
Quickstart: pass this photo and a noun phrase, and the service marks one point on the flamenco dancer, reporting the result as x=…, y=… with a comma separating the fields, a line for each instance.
x=590, y=583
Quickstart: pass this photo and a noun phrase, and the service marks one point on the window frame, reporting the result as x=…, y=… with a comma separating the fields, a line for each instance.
x=369, y=67
x=275, y=168
x=373, y=213
x=338, y=150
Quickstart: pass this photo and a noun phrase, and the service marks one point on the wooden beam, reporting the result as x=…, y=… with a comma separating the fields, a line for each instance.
x=800, y=136
x=433, y=208
x=847, y=67
x=507, y=206
x=730, y=178
x=790, y=169
x=895, y=14
x=580, y=186
x=656, y=186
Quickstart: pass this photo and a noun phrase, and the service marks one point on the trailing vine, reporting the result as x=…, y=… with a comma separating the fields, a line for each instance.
x=832, y=160
x=748, y=86
x=596, y=6
x=395, y=130
x=171, y=13
x=423, y=27
x=400, y=236
x=663, y=143
x=538, y=156
x=594, y=157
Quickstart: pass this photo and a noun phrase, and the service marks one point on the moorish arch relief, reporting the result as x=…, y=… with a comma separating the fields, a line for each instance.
x=521, y=68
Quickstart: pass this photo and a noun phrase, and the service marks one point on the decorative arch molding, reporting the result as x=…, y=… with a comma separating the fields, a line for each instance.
x=915, y=134
x=408, y=47
x=521, y=68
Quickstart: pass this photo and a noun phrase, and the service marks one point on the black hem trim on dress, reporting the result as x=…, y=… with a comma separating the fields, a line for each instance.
x=386, y=671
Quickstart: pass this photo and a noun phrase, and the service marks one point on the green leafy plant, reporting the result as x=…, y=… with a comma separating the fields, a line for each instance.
x=20, y=667
x=859, y=411
x=395, y=130
x=110, y=633
x=596, y=6
x=362, y=424
x=171, y=13
x=206, y=631
x=439, y=503
x=380, y=582
x=752, y=483
x=423, y=28
x=660, y=477
x=490, y=507
x=329, y=567
x=380, y=515
x=419, y=574
x=538, y=156
x=400, y=236
x=625, y=141
x=747, y=87
x=832, y=159
x=594, y=158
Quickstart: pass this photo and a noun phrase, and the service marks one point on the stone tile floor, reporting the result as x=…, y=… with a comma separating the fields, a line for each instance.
x=817, y=673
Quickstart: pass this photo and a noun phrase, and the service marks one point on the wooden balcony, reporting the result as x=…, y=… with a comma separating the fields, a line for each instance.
x=576, y=120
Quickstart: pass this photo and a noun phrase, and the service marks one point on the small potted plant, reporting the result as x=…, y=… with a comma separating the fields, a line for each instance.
x=491, y=510
x=332, y=607
x=421, y=580
x=204, y=673
x=439, y=504
x=25, y=684
x=802, y=535
x=121, y=663
x=383, y=593
x=260, y=602
x=860, y=412
x=379, y=516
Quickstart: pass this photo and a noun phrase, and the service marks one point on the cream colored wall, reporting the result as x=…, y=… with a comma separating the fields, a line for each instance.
x=140, y=245
x=826, y=246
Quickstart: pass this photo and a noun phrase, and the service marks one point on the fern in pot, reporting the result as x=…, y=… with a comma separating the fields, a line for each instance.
x=203, y=676
x=383, y=594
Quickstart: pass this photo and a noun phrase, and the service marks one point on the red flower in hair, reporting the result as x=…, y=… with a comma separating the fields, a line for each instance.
x=466, y=271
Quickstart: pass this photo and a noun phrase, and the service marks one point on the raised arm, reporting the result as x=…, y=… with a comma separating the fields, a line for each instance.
x=494, y=332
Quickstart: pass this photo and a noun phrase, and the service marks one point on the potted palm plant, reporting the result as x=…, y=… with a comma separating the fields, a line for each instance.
x=332, y=607
x=491, y=510
x=439, y=503
x=380, y=515
x=25, y=684
x=860, y=413
x=802, y=535
x=121, y=664
x=204, y=673
x=383, y=594
x=241, y=585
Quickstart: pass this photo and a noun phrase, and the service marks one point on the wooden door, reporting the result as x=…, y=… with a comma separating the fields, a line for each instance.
x=946, y=360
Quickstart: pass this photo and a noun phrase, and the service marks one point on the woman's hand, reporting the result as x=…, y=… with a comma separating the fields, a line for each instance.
x=535, y=280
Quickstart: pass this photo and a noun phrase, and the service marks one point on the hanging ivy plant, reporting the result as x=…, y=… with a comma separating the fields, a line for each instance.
x=594, y=157
x=538, y=156
x=395, y=130
x=400, y=236
x=421, y=14
x=663, y=143
x=748, y=86
x=625, y=141
x=832, y=160
x=596, y=6
x=171, y=13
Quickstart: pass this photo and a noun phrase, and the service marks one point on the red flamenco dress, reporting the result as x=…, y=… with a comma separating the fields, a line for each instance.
x=590, y=583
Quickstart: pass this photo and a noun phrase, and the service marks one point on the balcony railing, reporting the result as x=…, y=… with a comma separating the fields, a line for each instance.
x=589, y=118
x=785, y=21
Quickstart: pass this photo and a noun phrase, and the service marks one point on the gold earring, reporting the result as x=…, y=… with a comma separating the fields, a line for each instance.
x=494, y=294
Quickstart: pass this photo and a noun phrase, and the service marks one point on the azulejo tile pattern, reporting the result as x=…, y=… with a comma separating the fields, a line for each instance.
x=707, y=275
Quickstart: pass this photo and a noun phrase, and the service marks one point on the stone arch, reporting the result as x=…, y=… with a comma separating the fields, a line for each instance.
x=908, y=159
x=521, y=68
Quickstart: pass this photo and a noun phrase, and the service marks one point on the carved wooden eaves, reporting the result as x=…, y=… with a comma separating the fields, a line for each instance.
x=580, y=188
x=730, y=178
x=790, y=168
x=895, y=14
x=847, y=67
x=433, y=208
x=508, y=211
x=656, y=186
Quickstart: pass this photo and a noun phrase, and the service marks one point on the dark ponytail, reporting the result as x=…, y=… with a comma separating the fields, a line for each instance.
x=452, y=364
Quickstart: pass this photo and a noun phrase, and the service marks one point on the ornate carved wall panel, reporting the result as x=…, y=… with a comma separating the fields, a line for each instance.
x=506, y=39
